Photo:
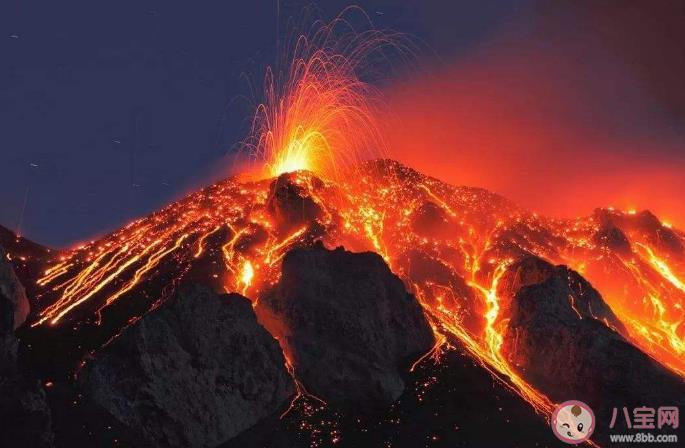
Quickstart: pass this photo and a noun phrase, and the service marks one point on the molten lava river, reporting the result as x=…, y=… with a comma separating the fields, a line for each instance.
x=450, y=245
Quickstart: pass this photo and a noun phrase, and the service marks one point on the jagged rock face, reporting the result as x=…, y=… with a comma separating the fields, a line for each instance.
x=347, y=324
x=24, y=413
x=8, y=343
x=581, y=299
x=290, y=203
x=613, y=238
x=195, y=372
x=12, y=290
x=646, y=224
x=561, y=336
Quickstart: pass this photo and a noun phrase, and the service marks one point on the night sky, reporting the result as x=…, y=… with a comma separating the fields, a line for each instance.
x=109, y=111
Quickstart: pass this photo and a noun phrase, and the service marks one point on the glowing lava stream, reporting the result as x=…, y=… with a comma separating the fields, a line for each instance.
x=489, y=351
x=662, y=333
x=662, y=267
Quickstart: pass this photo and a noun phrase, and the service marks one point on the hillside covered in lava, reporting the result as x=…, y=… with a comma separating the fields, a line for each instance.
x=382, y=308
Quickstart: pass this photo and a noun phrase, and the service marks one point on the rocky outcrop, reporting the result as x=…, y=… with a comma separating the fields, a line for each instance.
x=646, y=224
x=24, y=413
x=195, y=372
x=13, y=291
x=290, y=202
x=347, y=324
x=582, y=301
x=565, y=340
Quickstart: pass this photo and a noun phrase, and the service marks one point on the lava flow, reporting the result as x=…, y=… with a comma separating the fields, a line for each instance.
x=451, y=245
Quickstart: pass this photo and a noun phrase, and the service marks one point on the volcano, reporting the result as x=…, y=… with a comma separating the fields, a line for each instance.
x=380, y=308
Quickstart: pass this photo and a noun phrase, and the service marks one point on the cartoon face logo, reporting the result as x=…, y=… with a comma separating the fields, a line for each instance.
x=573, y=422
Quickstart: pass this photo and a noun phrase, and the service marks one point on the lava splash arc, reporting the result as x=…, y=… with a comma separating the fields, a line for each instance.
x=317, y=113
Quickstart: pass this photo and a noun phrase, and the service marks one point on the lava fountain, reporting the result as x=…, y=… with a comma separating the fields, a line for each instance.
x=317, y=114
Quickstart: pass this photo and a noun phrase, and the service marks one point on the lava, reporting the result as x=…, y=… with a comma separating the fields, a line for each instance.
x=450, y=245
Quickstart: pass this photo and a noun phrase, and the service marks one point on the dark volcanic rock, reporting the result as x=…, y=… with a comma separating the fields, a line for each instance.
x=24, y=413
x=581, y=299
x=289, y=201
x=646, y=224
x=431, y=220
x=347, y=324
x=561, y=338
x=28, y=258
x=12, y=290
x=195, y=372
x=613, y=238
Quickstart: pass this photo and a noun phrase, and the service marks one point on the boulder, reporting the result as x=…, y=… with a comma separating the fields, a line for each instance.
x=564, y=339
x=195, y=372
x=347, y=324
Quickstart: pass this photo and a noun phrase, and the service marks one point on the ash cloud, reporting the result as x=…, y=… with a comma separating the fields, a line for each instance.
x=568, y=107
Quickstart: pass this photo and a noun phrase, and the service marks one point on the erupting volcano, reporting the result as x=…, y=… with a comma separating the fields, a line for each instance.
x=517, y=293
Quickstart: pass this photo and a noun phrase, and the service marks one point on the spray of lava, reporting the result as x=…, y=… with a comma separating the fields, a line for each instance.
x=317, y=114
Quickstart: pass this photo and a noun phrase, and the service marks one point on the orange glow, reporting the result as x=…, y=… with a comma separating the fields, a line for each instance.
x=377, y=210
x=530, y=122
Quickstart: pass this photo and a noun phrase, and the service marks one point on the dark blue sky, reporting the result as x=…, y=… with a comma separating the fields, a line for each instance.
x=124, y=106
x=110, y=110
